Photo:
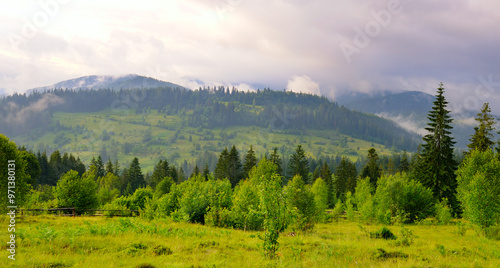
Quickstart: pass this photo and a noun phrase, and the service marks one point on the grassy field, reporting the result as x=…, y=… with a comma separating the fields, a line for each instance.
x=170, y=139
x=49, y=241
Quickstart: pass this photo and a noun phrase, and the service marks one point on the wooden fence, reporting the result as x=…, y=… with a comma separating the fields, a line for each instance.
x=72, y=212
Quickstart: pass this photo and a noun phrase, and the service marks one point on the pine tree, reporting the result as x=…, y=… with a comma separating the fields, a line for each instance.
x=206, y=172
x=196, y=171
x=404, y=166
x=235, y=169
x=298, y=164
x=161, y=170
x=436, y=166
x=134, y=176
x=346, y=177
x=482, y=137
x=221, y=168
x=100, y=167
x=326, y=175
x=372, y=169
x=276, y=159
x=109, y=167
x=250, y=162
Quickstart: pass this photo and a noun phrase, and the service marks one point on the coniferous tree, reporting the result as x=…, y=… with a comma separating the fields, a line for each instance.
x=372, y=169
x=276, y=159
x=206, y=172
x=196, y=171
x=100, y=167
x=482, y=139
x=46, y=176
x=298, y=164
x=250, y=162
x=326, y=175
x=134, y=175
x=221, y=169
x=161, y=170
x=404, y=166
x=109, y=167
x=235, y=171
x=345, y=177
x=55, y=163
x=436, y=166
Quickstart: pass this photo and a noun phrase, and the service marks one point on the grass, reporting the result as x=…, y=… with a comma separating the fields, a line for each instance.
x=50, y=241
x=129, y=127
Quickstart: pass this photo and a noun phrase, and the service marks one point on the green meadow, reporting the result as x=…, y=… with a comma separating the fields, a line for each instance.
x=52, y=241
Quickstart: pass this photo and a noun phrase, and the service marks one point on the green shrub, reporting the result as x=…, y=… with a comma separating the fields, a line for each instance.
x=478, y=179
x=245, y=211
x=364, y=199
x=406, y=200
x=337, y=210
x=349, y=206
x=300, y=197
x=383, y=233
x=138, y=199
x=320, y=192
x=75, y=191
x=443, y=212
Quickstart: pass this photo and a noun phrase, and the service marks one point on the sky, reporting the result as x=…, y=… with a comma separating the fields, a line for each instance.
x=324, y=47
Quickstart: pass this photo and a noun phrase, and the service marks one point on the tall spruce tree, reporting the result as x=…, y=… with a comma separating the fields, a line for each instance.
x=345, y=177
x=250, y=162
x=235, y=168
x=134, y=175
x=482, y=139
x=326, y=175
x=372, y=168
x=298, y=164
x=276, y=159
x=436, y=166
x=221, y=168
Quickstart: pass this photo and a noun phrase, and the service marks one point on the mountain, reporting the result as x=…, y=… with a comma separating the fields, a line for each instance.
x=409, y=110
x=129, y=81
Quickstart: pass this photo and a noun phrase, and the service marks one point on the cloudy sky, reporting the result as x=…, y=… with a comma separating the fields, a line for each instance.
x=322, y=47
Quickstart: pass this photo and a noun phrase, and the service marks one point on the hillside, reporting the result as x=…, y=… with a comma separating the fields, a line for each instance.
x=129, y=81
x=179, y=124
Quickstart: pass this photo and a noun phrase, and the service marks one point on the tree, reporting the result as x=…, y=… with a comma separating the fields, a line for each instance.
x=250, y=162
x=276, y=159
x=46, y=176
x=109, y=167
x=196, y=171
x=404, y=166
x=326, y=175
x=235, y=171
x=320, y=192
x=32, y=166
x=75, y=191
x=482, y=137
x=436, y=165
x=206, y=172
x=161, y=170
x=345, y=178
x=134, y=175
x=12, y=173
x=479, y=187
x=372, y=168
x=301, y=199
x=221, y=169
x=298, y=164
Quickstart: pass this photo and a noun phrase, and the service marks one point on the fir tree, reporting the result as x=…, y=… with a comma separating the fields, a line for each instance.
x=161, y=170
x=482, y=137
x=276, y=159
x=298, y=164
x=235, y=171
x=404, y=166
x=134, y=176
x=436, y=166
x=250, y=162
x=221, y=168
x=326, y=175
x=109, y=167
x=345, y=177
x=196, y=171
x=100, y=167
x=206, y=172
x=372, y=169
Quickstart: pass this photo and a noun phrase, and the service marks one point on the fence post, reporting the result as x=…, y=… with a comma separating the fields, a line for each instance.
x=74, y=212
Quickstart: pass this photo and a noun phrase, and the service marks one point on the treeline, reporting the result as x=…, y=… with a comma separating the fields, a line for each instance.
x=208, y=108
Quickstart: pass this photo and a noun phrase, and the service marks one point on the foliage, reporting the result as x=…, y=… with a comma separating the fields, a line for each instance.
x=443, y=212
x=298, y=164
x=337, y=210
x=482, y=138
x=250, y=162
x=345, y=178
x=349, y=206
x=301, y=199
x=479, y=188
x=365, y=200
x=403, y=198
x=383, y=233
x=320, y=193
x=75, y=191
x=436, y=165
x=372, y=169
x=163, y=187
x=272, y=204
x=245, y=210
x=139, y=198
x=17, y=175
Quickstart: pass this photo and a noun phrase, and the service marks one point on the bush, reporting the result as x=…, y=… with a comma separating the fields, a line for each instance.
x=301, y=199
x=138, y=199
x=349, y=206
x=320, y=192
x=114, y=206
x=337, y=210
x=364, y=199
x=443, y=212
x=402, y=199
x=478, y=189
x=75, y=191
x=383, y=233
x=246, y=213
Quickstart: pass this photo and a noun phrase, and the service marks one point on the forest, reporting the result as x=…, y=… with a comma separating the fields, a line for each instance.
x=275, y=198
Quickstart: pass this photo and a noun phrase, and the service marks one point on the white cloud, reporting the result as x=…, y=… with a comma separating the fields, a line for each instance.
x=303, y=84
